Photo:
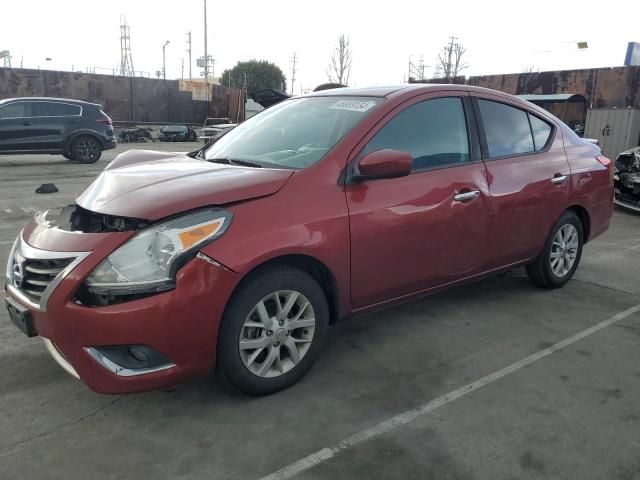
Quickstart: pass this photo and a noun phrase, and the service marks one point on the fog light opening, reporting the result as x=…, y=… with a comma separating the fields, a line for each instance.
x=138, y=354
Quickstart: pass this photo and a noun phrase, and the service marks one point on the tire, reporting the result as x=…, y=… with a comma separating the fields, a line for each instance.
x=86, y=149
x=67, y=155
x=272, y=365
x=564, y=244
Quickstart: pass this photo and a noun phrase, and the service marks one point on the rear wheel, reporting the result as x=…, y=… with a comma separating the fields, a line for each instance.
x=67, y=155
x=86, y=149
x=272, y=330
x=560, y=255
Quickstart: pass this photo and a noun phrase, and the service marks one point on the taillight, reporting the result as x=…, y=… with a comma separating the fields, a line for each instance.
x=608, y=164
x=104, y=119
x=604, y=161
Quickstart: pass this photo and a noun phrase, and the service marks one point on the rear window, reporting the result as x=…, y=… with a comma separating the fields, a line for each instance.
x=541, y=132
x=55, y=109
x=506, y=128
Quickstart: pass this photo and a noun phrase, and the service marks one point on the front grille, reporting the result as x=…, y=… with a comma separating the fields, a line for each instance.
x=38, y=274
x=33, y=274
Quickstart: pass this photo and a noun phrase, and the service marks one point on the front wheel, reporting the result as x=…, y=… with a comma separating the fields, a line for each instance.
x=560, y=255
x=86, y=149
x=273, y=330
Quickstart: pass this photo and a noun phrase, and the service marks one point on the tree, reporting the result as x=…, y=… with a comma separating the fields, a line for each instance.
x=450, y=63
x=259, y=74
x=339, y=68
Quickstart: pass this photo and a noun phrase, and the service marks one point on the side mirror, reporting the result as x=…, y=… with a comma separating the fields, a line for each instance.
x=385, y=163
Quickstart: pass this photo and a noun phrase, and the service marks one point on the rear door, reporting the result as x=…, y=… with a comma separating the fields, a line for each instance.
x=52, y=121
x=412, y=233
x=16, y=126
x=528, y=176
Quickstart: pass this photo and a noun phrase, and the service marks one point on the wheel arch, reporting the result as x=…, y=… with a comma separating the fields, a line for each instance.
x=82, y=133
x=318, y=270
x=585, y=219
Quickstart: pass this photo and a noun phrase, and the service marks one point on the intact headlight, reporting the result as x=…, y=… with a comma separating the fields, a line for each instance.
x=148, y=262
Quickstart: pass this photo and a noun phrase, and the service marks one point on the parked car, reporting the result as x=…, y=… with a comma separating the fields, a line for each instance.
x=211, y=133
x=177, y=133
x=136, y=134
x=325, y=205
x=78, y=130
x=626, y=180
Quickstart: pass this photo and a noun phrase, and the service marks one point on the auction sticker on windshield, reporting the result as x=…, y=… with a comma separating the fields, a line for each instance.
x=353, y=105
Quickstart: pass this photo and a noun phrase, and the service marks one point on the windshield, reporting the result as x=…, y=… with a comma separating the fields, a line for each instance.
x=296, y=133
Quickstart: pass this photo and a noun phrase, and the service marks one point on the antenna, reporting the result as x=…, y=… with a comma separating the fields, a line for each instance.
x=126, y=60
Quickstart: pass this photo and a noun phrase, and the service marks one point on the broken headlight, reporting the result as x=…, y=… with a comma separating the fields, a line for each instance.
x=149, y=261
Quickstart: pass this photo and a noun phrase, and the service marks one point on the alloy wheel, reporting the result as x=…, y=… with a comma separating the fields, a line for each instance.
x=277, y=333
x=87, y=149
x=564, y=250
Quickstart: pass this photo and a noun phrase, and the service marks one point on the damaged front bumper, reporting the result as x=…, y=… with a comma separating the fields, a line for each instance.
x=626, y=180
x=172, y=335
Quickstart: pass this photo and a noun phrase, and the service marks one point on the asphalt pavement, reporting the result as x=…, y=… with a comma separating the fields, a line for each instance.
x=494, y=380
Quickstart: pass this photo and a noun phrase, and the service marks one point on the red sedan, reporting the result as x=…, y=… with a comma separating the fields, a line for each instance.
x=322, y=206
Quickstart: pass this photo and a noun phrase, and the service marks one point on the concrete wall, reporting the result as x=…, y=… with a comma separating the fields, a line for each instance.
x=125, y=98
x=603, y=87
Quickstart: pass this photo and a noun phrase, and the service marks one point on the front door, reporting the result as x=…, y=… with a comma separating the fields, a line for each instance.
x=16, y=126
x=430, y=228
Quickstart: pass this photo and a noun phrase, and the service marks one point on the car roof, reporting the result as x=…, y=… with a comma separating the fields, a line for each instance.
x=403, y=89
x=388, y=90
x=49, y=99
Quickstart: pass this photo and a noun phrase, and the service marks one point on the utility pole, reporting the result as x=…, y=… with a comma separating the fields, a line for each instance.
x=189, y=52
x=449, y=65
x=164, y=60
x=126, y=61
x=182, y=70
x=416, y=71
x=206, y=54
x=293, y=70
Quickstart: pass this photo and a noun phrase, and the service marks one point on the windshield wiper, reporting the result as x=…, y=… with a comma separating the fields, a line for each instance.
x=235, y=161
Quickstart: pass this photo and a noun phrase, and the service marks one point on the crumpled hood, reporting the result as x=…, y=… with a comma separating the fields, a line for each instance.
x=152, y=185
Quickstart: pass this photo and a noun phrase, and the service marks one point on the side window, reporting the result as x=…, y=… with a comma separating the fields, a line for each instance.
x=433, y=131
x=53, y=109
x=15, y=110
x=541, y=132
x=506, y=128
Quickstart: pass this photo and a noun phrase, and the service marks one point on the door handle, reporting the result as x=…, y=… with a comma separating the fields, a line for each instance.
x=558, y=178
x=26, y=124
x=463, y=197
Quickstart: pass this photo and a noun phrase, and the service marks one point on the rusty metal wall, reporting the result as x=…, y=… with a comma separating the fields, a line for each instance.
x=617, y=87
x=123, y=98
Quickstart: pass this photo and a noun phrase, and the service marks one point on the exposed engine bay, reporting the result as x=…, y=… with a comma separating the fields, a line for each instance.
x=626, y=179
x=77, y=219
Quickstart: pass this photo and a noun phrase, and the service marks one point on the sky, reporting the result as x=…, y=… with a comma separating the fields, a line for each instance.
x=499, y=36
